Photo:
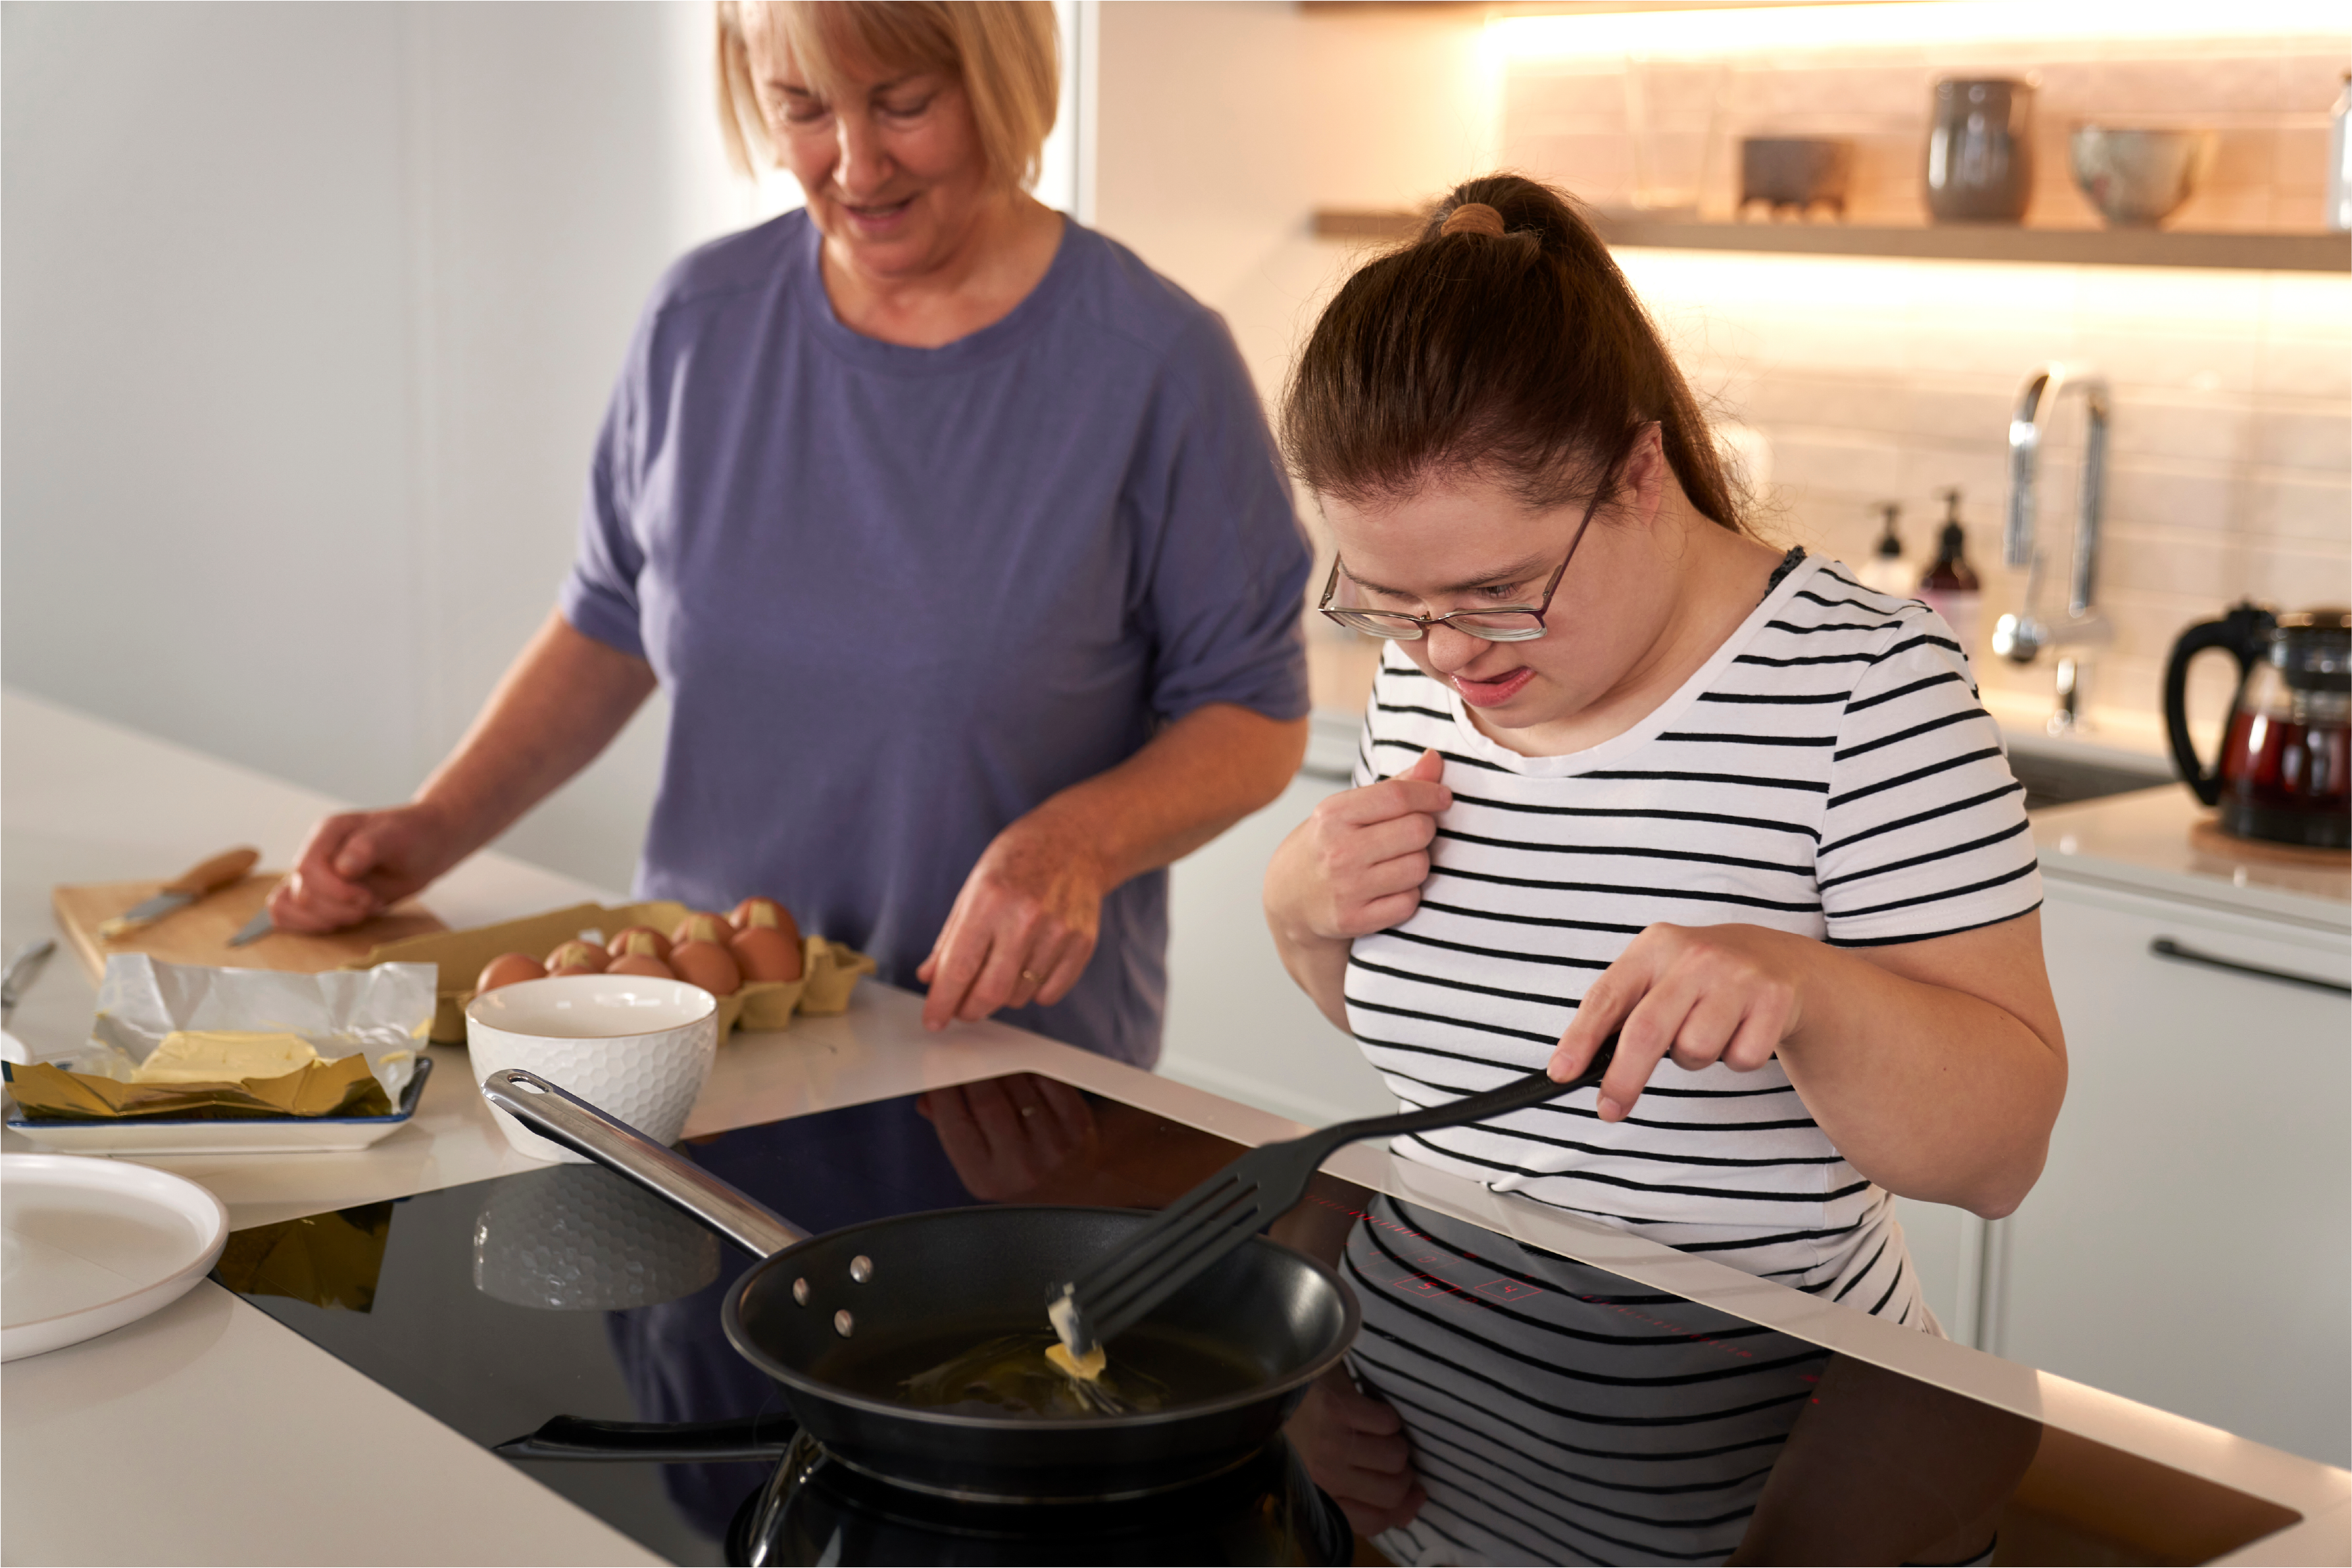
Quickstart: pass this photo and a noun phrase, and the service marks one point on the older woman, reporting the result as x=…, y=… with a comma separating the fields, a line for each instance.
x=954, y=534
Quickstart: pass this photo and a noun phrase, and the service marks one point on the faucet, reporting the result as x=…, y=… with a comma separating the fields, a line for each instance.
x=2020, y=638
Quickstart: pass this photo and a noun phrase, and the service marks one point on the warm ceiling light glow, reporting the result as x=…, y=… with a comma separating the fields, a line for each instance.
x=1770, y=29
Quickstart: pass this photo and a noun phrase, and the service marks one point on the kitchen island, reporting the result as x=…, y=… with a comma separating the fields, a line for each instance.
x=210, y=1433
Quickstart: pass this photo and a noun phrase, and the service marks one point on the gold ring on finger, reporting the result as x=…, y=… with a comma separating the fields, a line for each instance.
x=1033, y=976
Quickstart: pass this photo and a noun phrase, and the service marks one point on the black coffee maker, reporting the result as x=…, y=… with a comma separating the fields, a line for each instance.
x=2286, y=768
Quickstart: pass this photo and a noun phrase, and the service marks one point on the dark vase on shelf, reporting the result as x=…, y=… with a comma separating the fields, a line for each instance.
x=1980, y=151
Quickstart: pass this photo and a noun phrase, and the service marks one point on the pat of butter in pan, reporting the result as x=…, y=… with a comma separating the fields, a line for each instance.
x=224, y=1056
x=1061, y=1312
x=1069, y=1366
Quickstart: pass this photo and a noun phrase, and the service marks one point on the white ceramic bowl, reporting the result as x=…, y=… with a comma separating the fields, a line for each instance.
x=639, y=1050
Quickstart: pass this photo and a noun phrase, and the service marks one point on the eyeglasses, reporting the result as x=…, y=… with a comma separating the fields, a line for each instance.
x=1504, y=623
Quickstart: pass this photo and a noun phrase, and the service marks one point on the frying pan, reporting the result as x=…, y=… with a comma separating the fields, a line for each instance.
x=818, y=1309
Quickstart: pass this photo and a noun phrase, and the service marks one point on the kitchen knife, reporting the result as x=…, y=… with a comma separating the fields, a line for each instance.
x=23, y=968
x=254, y=929
x=183, y=890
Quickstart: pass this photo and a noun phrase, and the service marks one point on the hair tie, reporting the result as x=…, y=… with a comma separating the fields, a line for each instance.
x=1472, y=218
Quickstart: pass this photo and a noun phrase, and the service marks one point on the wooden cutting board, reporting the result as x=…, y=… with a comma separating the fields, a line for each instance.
x=200, y=933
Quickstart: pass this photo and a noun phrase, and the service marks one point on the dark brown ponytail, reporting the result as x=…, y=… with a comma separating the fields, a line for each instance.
x=1522, y=356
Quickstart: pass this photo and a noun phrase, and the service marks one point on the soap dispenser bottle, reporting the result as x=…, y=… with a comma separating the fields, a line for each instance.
x=1950, y=587
x=1886, y=571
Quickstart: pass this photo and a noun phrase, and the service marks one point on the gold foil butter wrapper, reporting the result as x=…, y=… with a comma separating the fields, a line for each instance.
x=366, y=1026
x=344, y=1088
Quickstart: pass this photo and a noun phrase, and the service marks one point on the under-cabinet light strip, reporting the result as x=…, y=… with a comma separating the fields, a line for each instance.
x=1715, y=31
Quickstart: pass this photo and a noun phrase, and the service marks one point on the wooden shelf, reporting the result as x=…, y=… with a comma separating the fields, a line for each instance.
x=1955, y=242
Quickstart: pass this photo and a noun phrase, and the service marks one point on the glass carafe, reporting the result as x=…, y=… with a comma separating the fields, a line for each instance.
x=2285, y=768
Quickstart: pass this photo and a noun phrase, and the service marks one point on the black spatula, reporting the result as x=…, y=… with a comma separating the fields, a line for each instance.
x=1233, y=1204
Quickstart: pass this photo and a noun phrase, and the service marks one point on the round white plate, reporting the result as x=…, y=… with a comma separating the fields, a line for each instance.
x=91, y=1245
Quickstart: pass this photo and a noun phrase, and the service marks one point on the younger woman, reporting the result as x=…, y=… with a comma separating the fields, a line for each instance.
x=1627, y=768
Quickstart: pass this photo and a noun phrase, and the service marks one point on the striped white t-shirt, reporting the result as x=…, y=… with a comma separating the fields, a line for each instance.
x=1831, y=772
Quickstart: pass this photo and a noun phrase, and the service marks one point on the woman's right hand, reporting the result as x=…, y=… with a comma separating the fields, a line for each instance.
x=1352, y=868
x=561, y=702
x=356, y=864
x=1354, y=1448
x=1356, y=865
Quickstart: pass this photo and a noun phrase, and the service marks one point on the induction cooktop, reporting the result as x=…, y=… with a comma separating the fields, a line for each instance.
x=1555, y=1412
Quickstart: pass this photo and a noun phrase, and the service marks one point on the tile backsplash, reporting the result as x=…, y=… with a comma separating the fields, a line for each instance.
x=2229, y=469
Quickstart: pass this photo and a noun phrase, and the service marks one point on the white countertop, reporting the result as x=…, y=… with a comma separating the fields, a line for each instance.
x=2149, y=842
x=254, y=1446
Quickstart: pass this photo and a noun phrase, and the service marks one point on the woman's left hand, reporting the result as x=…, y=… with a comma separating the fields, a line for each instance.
x=1021, y=929
x=1698, y=994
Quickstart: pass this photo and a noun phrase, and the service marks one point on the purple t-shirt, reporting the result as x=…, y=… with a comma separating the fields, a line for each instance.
x=897, y=597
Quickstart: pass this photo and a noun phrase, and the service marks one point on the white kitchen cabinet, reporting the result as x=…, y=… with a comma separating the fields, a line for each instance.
x=2190, y=1244
x=1237, y=1026
x=1948, y=1252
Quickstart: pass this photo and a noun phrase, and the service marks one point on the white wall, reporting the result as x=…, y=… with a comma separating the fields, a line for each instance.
x=311, y=314
x=208, y=383
x=1222, y=127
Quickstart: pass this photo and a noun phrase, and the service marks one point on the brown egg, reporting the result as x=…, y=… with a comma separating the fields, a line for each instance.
x=765, y=913
x=758, y=912
x=506, y=968
x=702, y=926
x=642, y=940
x=763, y=953
x=708, y=964
x=640, y=964
x=583, y=957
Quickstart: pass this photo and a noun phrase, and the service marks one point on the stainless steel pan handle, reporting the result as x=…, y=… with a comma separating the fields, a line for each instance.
x=567, y=1119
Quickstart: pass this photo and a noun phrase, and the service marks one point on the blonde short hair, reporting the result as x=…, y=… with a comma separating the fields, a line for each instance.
x=1006, y=52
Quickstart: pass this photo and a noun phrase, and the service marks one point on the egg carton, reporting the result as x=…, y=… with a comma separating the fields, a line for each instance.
x=829, y=975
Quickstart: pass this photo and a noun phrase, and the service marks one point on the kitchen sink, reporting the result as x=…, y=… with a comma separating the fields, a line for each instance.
x=2054, y=779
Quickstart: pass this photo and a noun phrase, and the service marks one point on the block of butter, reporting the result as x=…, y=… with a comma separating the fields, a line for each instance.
x=224, y=1056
